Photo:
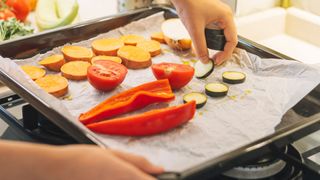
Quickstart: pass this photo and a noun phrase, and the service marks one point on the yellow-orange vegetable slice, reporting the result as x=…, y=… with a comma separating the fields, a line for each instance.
x=134, y=57
x=158, y=36
x=53, y=84
x=106, y=58
x=175, y=34
x=33, y=71
x=107, y=47
x=153, y=47
x=75, y=70
x=53, y=62
x=77, y=53
x=131, y=39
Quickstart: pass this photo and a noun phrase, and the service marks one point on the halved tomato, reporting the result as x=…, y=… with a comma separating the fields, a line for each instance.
x=106, y=75
x=178, y=75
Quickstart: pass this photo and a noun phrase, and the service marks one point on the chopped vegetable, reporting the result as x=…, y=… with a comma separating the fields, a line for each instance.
x=20, y=8
x=134, y=57
x=6, y=14
x=175, y=34
x=32, y=4
x=153, y=47
x=158, y=36
x=51, y=14
x=131, y=39
x=107, y=47
x=75, y=70
x=12, y=28
x=199, y=98
x=130, y=100
x=53, y=84
x=53, y=63
x=203, y=70
x=76, y=53
x=106, y=75
x=33, y=72
x=233, y=77
x=149, y=123
x=216, y=89
x=106, y=58
x=179, y=75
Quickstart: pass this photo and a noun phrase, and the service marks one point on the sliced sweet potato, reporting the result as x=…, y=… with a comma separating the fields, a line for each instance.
x=158, y=36
x=131, y=39
x=53, y=84
x=134, y=57
x=75, y=70
x=53, y=62
x=106, y=58
x=33, y=71
x=77, y=53
x=153, y=47
x=107, y=47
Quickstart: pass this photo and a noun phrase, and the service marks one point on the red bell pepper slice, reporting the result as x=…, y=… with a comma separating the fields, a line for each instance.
x=130, y=100
x=149, y=123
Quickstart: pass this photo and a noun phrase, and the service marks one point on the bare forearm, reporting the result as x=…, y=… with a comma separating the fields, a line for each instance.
x=23, y=160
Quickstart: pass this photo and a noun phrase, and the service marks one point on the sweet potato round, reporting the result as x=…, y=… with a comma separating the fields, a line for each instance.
x=134, y=57
x=33, y=72
x=131, y=39
x=107, y=47
x=53, y=62
x=77, y=53
x=158, y=36
x=153, y=47
x=75, y=70
x=106, y=58
x=53, y=84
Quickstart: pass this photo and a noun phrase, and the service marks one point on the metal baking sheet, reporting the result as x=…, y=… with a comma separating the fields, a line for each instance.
x=50, y=108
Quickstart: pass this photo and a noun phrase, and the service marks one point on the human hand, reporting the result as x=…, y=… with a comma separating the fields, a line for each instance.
x=83, y=162
x=196, y=15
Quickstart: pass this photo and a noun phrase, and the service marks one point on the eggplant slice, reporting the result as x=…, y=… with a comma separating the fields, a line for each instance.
x=216, y=89
x=200, y=99
x=203, y=70
x=233, y=77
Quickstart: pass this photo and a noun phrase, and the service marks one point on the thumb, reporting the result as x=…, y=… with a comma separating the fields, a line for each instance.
x=196, y=31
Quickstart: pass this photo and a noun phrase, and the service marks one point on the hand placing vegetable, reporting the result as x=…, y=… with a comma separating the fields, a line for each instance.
x=197, y=14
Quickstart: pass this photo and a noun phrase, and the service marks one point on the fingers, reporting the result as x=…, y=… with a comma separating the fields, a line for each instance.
x=230, y=33
x=139, y=162
x=196, y=31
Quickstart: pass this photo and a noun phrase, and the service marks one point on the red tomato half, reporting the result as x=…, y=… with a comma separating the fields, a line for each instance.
x=106, y=75
x=6, y=14
x=20, y=8
x=178, y=75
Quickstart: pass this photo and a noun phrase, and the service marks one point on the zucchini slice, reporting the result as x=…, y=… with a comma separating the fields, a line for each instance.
x=233, y=77
x=200, y=99
x=203, y=70
x=216, y=89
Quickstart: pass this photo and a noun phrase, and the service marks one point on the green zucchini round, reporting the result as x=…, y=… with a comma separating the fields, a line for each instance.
x=233, y=77
x=216, y=89
x=200, y=99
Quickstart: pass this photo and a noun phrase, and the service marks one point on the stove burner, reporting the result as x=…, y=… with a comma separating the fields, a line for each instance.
x=268, y=168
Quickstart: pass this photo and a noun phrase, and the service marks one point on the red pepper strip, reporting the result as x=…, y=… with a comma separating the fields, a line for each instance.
x=149, y=123
x=130, y=100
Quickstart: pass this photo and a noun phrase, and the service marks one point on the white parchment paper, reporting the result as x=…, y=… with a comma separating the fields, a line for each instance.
x=249, y=112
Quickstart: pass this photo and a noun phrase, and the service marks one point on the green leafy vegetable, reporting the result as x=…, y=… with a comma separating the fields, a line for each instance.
x=12, y=28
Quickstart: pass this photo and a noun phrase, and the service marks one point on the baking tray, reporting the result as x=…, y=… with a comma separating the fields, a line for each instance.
x=29, y=46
